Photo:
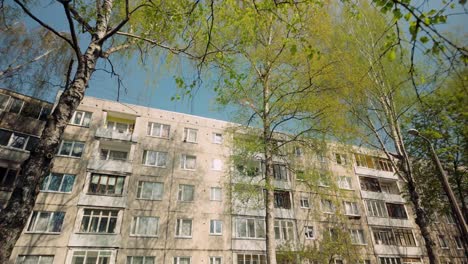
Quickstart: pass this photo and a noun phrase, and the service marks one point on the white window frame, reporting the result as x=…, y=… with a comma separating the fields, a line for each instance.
x=157, y=153
x=354, y=208
x=256, y=224
x=358, y=234
x=307, y=230
x=112, y=125
x=376, y=208
x=179, y=228
x=33, y=222
x=69, y=155
x=181, y=194
x=136, y=222
x=216, y=260
x=84, y=114
x=11, y=139
x=101, y=253
x=109, y=154
x=153, y=190
x=324, y=180
x=183, y=162
x=214, y=225
x=443, y=242
x=22, y=259
x=216, y=194
x=217, y=138
x=327, y=204
x=389, y=260
x=4, y=177
x=188, y=132
x=100, y=217
x=341, y=159
x=151, y=127
x=177, y=259
x=305, y=202
x=130, y=259
x=345, y=182
x=217, y=165
x=253, y=257
x=285, y=230
x=48, y=178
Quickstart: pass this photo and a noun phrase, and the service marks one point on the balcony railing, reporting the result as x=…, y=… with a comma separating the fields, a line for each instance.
x=119, y=166
x=103, y=132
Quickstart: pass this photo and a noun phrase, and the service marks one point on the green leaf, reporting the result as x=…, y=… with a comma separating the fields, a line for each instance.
x=424, y=39
x=392, y=55
x=407, y=16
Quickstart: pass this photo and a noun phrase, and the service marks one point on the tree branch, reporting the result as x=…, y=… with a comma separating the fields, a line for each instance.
x=76, y=46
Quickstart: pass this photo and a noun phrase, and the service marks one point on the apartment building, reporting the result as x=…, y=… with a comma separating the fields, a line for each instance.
x=132, y=184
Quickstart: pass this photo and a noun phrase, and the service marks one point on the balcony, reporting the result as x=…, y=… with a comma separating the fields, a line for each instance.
x=384, y=221
x=117, y=166
x=374, y=172
x=109, y=133
x=382, y=196
x=13, y=154
x=397, y=250
x=95, y=240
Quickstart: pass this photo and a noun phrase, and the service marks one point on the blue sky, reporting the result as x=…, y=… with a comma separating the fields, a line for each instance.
x=155, y=85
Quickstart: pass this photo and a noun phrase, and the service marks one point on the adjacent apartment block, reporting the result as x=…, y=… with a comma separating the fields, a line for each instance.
x=132, y=184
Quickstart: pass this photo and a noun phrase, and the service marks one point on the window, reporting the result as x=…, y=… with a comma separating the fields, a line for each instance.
x=188, y=162
x=216, y=194
x=396, y=211
x=249, y=168
x=46, y=222
x=34, y=259
x=250, y=228
x=357, y=237
x=81, y=118
x=190, y=135
x=7, y=177
x=298, y=151
x=158, y=130
x=140, y=260
x=385, y=260
x=411, y=260
x=389, y=187
x=216, y=227
x=217, y=138
x=280, y=172
x=321, y=157
x=215, y=260
x=376, y=208
x=58, y=182
x=4, y=101
x=284, y=230
x=443, y=241
x=328, y=206
x=458, y=242
x=150, y=190
x=17, y=140
x=344, y=182
x=404, y=237
x=184, y=228
x=71, y=148
x=305, y=202
x=370, y=184
x=91, y=257
x=340, y=159
x=300, y=175
x=324, y=180
x=397, y=237
x=107, y=154
x=182, y=260
x=251, y=259
x=186, y=192
x=217, y=165
x=145, y=226
x=106, y=184
x=384, y=164
x=154, y=158
x=351, y=208
x=309, y=232
x=119, y=127
x=99, y=221
x=282, y=200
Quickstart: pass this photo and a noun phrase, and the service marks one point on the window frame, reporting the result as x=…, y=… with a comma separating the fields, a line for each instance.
x=345, y=179
x=190, y=131
x=213, y=195
x=377, y=206
x=179, y=228
x=8, y=178
x=101, y=253
x=149, y=131
x=69, y=155
x=36, y=217
x=117, y=179
x=135, y=226
x=216, y=136
x=130, y=259
x=40, y=260
x=109, y=154
x=250, y=222
x=214, y=224
x=354, y=208
x=183, y=162
x=83, y=117
x=217, y=165
x=358, y=234
x=181, y=193
x=327, y=204
x=100, y=217
x=216, y=260
x=157, y=158
x=140, y=187
x=44, y=187
x=443, y=242
x=305, y=202
x=307, y=230
x=284, y=229
x=178, y=258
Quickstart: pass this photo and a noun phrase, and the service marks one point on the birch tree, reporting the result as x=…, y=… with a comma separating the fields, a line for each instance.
x=107, y=28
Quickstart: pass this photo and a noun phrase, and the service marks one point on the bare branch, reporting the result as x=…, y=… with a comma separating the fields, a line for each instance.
x=76, y=46
x=78, y=18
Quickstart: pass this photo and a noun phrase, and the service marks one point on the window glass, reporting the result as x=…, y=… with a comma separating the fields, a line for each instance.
x=190, y=135
x=7, y=177
x=150, y=190
x=4, y=101
x=46, y=221
x=186, y=192
x=34, y=259
x=44, y=113
x=309, y=232
x=154, y=158
x=188, y=162
x=184, y=227
x=216, y=194
x=217, y=138
x=216, y=227
x=56, y=182
x=145, y=226
x=158, y=130
x=31, y=109
x=18, y=140
x=4, y=137
x=106, y=184
x=140, y=260
x=99, y=221
x=91, y=257
x=15, y=105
